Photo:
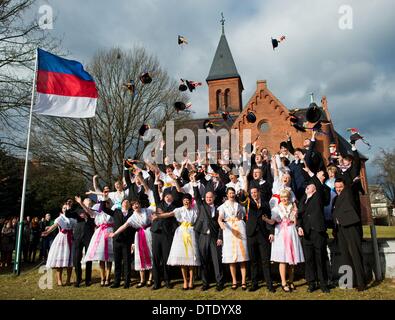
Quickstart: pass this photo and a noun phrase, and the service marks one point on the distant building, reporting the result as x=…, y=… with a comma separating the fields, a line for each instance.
x=225, y=88
x=381, y=205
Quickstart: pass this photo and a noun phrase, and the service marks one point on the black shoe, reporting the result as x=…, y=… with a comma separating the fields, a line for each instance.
x=168, y=285
x=115, y=285
x=77, y=284
x=311, y=288
x=88, y=283
x=155, y=287
x=219, y=287
x=271, y=289
x=126, y=285
x=361, y=288
x=140, y=285
x=204, y=287
x=325, y=289
x=253, y=288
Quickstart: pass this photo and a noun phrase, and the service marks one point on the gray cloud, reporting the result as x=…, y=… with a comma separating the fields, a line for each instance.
x=353, y=68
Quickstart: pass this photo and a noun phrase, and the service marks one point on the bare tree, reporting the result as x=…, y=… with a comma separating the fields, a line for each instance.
x=385, y=162
x=99, y=145
x=19, y=39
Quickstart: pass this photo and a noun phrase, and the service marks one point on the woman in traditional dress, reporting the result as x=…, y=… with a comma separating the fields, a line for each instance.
x=280, y=182
x=100, y=247
x=184, y=250
x=286, y=248
x=234, y=250
x=140, y=220
x=61, y=252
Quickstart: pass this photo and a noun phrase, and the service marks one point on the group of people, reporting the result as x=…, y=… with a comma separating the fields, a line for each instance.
x=32, y=242
x=248, y=212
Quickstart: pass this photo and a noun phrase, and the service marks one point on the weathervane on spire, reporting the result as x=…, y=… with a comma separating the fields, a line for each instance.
x=222, y=22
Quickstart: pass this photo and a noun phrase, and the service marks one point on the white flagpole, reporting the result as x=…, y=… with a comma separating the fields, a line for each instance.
x=20, y=224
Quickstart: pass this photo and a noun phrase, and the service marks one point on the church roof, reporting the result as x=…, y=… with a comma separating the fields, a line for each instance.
x=223, y=65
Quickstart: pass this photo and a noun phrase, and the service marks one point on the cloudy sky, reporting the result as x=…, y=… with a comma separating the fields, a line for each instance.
x=354, y=67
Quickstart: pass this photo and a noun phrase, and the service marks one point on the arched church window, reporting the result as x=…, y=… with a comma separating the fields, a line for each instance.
x=227, y=98
x=218, y=99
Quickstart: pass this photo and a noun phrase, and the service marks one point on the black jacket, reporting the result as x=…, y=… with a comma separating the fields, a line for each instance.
x=167, y=225
x=126, y=237
x=344, y=209
x=265, y=188
x=84, y=229
x=313, y=158
x=205, y=222
x=134, y=193
x=220, y=191
x=255, y=224
x=299, y=179
x=311, y=212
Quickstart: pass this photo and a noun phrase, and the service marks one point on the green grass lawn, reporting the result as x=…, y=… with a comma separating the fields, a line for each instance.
x=26, y=287
x=382, y=232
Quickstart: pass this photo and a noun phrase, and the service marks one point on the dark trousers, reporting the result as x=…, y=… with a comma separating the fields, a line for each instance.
x=259, y=247
x=350, y=245
x=161, y=245
x=315, y=255
x=122, y=257
x=78, y=246
x=207, y=247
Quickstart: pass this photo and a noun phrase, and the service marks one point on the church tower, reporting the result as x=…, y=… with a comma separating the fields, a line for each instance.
x=224, y=82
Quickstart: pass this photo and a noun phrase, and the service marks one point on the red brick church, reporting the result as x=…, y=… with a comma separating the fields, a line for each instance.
x=225, y=88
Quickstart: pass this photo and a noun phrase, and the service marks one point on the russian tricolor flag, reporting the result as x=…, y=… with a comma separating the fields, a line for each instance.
x=64, y=88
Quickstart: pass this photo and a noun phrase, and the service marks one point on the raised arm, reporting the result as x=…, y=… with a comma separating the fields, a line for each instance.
x=119, y=230
x=49, y=230
x=83, y=206
x=275, y=168
x=95, y=184
x=289, y=144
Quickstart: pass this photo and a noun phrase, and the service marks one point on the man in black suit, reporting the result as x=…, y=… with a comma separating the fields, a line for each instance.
x=347, y=233
x=136, y=189
x=260, y=234
x=350, y=173
x=209, y=236
x=263, y=185
x=162, y=230
x=313, y=158
x=217, y=187
x=311, y=226
x=82, y=234
x=299, y=176
x=122, y=244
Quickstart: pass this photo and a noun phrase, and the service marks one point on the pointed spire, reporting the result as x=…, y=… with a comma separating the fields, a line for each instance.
x=223, y=23
x=223, y=65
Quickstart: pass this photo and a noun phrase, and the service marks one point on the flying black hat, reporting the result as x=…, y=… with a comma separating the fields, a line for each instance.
x=251, y=118
x=130, y=86
x=207, y=124
x=182, y=86
x=192, y=84
x=179, y=106
x=226, y=116
x=313, y=113
x=275, y=42
x=145, y=78
x=182, y=40
x=143, y=129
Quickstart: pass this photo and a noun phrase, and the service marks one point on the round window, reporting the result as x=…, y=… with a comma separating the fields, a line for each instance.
x=263, y=126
